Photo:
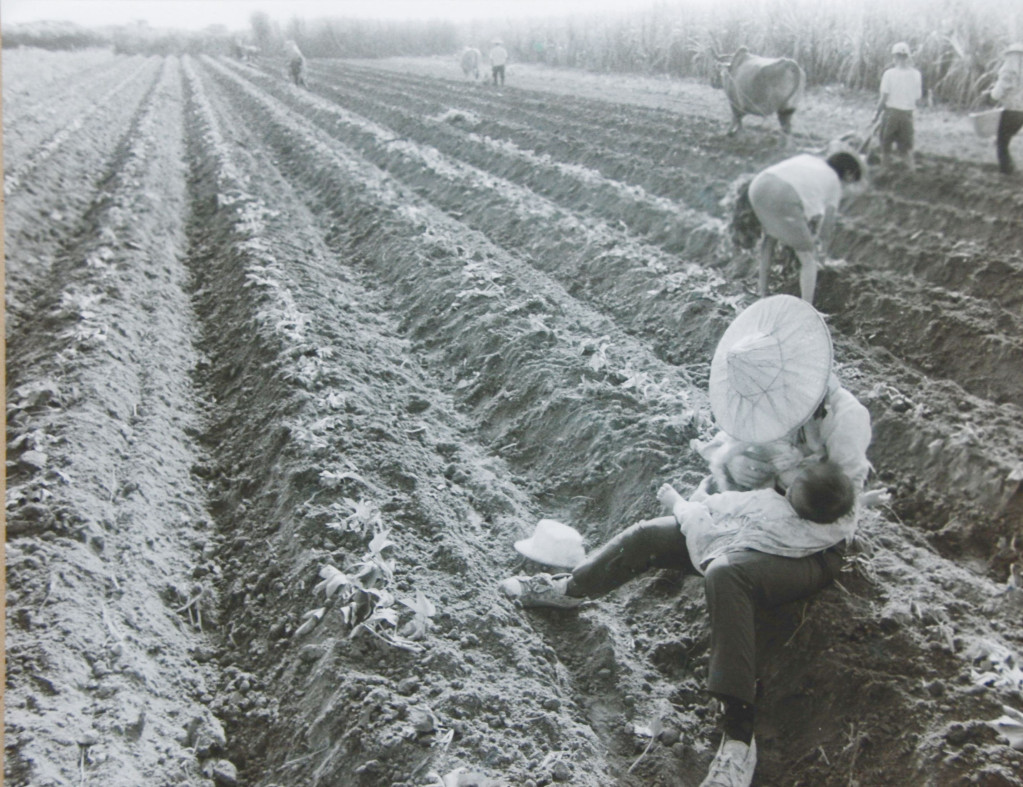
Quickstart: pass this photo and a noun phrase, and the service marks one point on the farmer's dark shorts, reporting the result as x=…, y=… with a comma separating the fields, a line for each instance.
x=897, y=127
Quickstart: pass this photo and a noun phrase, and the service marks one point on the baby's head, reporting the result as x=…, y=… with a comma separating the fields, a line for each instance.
x=822, y=493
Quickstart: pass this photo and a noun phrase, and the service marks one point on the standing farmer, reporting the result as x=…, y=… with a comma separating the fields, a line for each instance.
x=901, y=89
x=498, y=59
x=296, y=64
x=796, y=203
x=1008, y=91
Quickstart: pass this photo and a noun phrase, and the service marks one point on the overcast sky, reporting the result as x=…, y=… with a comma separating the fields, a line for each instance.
x=196, y=14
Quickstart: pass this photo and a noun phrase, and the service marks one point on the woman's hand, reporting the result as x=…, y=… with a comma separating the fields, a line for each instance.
x=749, y=473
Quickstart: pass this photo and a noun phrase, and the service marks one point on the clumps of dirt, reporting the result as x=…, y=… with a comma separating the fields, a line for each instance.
x=293, y=476
x=429, y=285
x=361, y=448
x=102, y=509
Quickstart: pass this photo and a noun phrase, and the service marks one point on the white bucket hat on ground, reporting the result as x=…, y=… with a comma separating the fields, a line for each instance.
x=553, y=544
x=770, y=370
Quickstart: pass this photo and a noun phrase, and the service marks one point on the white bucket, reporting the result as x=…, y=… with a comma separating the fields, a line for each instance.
x=985, y=124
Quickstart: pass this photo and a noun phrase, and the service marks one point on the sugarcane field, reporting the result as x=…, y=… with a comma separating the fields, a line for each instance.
x=340, y=357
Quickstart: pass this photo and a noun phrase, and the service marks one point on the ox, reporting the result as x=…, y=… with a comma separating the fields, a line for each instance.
x=471, y=59
x=761, y=86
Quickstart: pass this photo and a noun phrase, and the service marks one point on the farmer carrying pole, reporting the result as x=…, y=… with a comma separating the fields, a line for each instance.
x=901, y=90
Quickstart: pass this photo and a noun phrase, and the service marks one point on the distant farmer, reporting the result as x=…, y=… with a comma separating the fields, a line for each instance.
x=901, y=90
x=799, y=440
x=470, y=62
x=498, y=58
x=795, y=202
x=296, y=63
x=1008, y=91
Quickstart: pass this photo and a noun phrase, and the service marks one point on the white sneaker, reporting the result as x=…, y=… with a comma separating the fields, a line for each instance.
x=540, y=590
x=733, y=765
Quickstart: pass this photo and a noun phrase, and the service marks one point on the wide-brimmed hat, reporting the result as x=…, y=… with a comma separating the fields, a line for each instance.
x=901, y=48
x=554, y=544
x=1014, y=49
x=770, y=370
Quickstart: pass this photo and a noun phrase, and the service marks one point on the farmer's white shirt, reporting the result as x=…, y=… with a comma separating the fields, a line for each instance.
x=903, y=86
x=761, y=519
x=498, y=56
x=813, y=179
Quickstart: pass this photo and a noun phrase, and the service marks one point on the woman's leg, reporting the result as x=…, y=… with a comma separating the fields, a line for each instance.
x=737, y=584
x=767, y=246
x=655, y=543
x=780, y=211
x=807, y=274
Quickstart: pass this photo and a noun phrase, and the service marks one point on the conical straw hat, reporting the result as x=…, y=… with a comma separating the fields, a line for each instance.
x=770, y=370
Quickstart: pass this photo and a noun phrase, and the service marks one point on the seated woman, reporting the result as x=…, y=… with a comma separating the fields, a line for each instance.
x=796, y=442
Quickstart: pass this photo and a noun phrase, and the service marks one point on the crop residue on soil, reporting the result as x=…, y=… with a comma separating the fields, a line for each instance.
x=290, y=370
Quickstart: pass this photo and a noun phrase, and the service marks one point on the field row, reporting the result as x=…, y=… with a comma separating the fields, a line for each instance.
x=275, y=333
x=981, y=327
x=667, y=303
x=103, y=512
x=504, y=340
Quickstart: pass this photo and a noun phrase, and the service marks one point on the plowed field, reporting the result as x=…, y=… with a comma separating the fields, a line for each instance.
x=289, y=371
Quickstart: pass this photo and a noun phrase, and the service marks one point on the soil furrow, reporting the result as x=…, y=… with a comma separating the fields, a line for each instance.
x=35, y=75
x=602, y=261
x=426, y=518
x=393, y=227
x=26, y=129
x=647, y=151
x=20, y=168
x=470, y=138
x=101, y=570
x=59, y=199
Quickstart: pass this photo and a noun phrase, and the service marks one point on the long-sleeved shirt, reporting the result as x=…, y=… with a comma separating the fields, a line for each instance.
x=760, y=519
x=842, y=436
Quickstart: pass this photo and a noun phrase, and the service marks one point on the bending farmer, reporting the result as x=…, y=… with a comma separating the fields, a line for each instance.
x=796, y=203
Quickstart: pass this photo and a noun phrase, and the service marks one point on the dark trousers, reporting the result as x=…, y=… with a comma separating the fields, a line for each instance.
x=498, y=72
x=897, y=128
x=1010, y=123
x=737, y=584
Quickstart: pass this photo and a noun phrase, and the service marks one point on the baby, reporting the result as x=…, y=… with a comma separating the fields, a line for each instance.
x=810, y=517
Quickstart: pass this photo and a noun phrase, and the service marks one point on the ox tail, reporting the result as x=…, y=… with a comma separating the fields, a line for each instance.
x=789, y=106
x=745, y=226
